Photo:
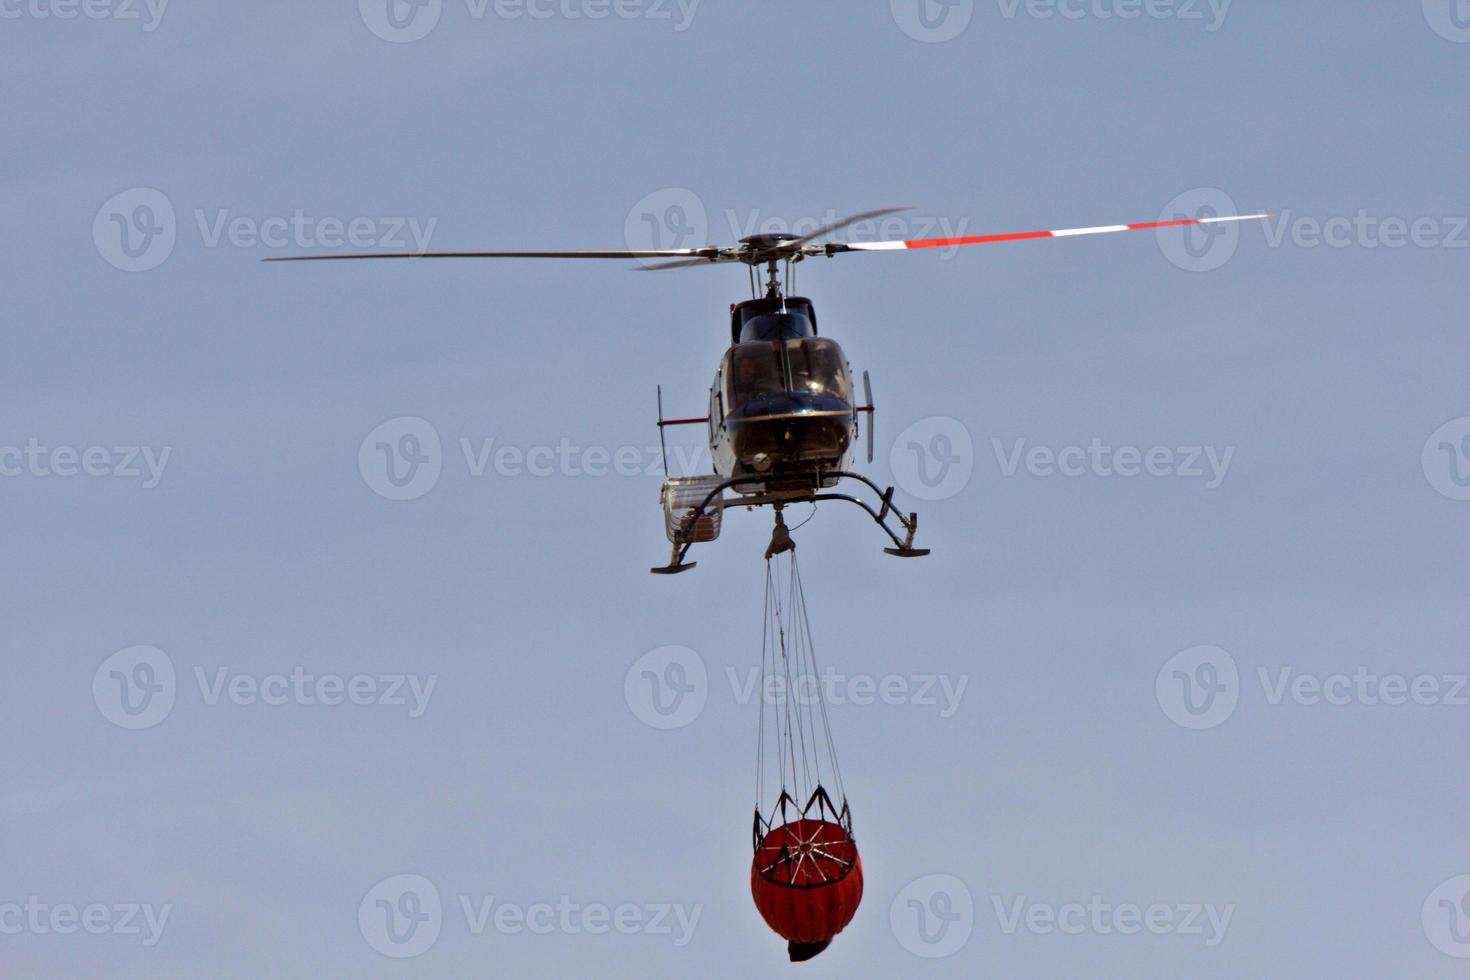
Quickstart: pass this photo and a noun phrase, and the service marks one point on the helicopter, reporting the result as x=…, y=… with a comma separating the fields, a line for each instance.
x=784, y=419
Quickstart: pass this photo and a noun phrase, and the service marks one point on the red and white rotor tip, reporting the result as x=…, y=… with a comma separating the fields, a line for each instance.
x=1053, y=233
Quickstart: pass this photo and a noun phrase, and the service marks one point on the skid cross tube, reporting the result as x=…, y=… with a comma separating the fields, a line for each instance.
x=903, y=547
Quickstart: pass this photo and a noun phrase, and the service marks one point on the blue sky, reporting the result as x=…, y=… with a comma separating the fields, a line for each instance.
x=1108, y=696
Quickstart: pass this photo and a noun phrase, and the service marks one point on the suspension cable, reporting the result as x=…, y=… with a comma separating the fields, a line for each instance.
x=800, y=730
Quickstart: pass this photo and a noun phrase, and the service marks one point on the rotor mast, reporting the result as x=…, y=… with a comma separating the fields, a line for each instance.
x=773, y=284
x=770, y=251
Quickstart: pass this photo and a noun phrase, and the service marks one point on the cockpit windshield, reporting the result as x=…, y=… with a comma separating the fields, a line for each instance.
x=790, y=375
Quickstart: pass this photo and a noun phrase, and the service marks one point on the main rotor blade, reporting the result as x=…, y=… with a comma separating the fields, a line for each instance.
x=635, y=254
x=1027, y=235
x=688, y=263
x=787, y=248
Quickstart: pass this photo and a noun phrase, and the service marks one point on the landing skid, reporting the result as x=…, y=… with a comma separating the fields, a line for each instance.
x=907, y=526
x=673, y=569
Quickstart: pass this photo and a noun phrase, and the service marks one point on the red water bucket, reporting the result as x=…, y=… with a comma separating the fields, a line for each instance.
x=807, y=880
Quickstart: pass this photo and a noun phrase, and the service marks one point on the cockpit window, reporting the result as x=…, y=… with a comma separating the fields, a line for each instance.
x=817, y=368
x=776, y=326
x=754, y=374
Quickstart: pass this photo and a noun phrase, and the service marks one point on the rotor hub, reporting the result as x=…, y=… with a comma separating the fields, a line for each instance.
x=762, y=243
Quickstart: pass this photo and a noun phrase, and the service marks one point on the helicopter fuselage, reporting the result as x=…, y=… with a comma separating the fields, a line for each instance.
x=782, y=409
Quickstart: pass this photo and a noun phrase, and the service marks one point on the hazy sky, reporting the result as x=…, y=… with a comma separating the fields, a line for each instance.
x=1179, y=693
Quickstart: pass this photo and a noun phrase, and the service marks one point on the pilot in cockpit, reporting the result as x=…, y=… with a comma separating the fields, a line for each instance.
x=747, y=385
x=826, y=376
